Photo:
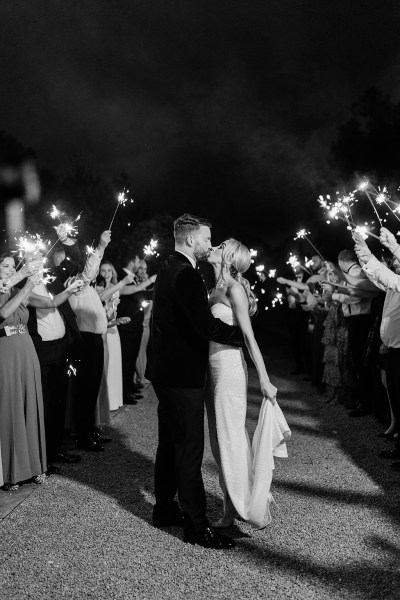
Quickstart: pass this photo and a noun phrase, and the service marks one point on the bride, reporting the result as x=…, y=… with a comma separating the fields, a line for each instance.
x=245, y=470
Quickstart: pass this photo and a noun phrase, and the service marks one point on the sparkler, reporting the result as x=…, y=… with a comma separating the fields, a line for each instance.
x=121, y=200
x=272, y=273
x=363, y=187
x=302, y=234
x=278, y=299
x=150, y=249
x=89, y=250
x=30, y=244
x=382, y=198
x=364, y=232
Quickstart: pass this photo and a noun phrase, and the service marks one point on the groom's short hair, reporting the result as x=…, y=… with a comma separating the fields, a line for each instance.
x=186, y=224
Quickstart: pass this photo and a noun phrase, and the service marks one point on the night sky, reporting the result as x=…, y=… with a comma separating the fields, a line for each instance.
x=222, y=108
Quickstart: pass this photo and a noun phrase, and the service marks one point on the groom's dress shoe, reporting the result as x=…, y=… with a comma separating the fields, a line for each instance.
x=209, y=539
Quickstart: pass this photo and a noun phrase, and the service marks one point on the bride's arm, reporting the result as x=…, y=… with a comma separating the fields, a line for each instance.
x=240, y=305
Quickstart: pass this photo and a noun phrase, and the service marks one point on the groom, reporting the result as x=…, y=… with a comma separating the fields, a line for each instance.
x=181, y=328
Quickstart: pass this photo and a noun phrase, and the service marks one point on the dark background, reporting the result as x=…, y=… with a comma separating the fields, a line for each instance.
x=243, y=112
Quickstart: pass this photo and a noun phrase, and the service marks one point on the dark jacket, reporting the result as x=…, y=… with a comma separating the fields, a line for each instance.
x=181, y=327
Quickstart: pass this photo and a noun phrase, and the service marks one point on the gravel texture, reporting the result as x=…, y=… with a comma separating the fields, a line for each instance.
x=87, y=533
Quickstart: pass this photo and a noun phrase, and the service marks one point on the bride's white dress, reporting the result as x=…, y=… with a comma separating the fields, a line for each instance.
x=245, y=468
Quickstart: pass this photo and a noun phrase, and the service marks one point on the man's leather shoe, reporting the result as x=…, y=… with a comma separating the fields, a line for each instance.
x=395, y=466
x=173, y=520
x=91, y=445
x=392, y=454
x=209, y=538
x=101, y=439
x=65, y=457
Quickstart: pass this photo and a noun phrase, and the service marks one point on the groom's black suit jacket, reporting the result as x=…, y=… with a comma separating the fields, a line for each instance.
x=182, y=326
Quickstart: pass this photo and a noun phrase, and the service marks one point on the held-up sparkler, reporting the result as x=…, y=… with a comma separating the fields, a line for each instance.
x=303, y=234
x=121, y=200
x=363, y=187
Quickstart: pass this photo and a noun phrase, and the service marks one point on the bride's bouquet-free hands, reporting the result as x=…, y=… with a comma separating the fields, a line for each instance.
x=268, y=390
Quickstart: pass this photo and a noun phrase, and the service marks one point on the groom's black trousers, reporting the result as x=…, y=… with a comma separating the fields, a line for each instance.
x=180, y=454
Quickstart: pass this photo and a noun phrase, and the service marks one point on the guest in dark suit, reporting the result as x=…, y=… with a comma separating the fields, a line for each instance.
x=131, y=333
x=181, y=328
x=54, y=333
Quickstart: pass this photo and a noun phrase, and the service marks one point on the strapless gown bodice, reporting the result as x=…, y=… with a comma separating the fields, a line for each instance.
x=224, y=312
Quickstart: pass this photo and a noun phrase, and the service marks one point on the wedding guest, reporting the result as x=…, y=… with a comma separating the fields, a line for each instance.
x=357, y=310
x=297, y=323
x=110, y=394
x=92, y=324
x=22, y=430
x=337, y=367
x=389, y=281
x=147, y=306
x=131, y=333
x=54, y=331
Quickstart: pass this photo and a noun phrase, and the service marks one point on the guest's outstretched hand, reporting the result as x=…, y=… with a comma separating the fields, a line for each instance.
x=105, y=239
x=360, y=248
x=62, y=232
x=388, y=240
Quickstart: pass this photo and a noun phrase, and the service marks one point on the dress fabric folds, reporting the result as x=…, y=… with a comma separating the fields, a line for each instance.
x=22, y=435
x=245, y=469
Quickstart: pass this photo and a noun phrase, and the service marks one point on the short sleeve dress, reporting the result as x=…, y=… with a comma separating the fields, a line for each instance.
x=22, y=434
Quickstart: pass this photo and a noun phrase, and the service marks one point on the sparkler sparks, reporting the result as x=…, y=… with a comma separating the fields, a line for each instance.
x=121, y=201
x=151, y=248
x=272, y=273
x=303, y=234
x=278, y=299
x=293, y=261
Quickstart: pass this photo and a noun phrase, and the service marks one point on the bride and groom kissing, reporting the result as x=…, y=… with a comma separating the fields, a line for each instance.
x=196, y=340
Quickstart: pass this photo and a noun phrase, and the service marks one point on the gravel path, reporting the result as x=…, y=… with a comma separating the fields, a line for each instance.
x=88, y=533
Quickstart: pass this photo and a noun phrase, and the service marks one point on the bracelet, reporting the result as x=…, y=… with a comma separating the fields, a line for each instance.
x=395, y=250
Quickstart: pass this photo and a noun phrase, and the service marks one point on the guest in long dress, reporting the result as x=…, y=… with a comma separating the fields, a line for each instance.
x=147, y=307
x=110, y=394
x=337, y=366
x=22, y=430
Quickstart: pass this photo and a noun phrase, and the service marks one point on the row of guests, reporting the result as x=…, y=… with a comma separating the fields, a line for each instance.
x=43, y=328
x=344, y=322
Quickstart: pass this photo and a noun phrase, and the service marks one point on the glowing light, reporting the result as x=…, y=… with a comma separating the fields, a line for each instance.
x=363, y=186
x=302, y=234
x=145, y=304
x=259, y=268
x=253, y=252
x=272, y=273
x=308, y=263
x=151, y=248
x=278, y=299
x=55, y=213
x=89, y=250
x=363, y=231
x=293, y=261
x=380, y=198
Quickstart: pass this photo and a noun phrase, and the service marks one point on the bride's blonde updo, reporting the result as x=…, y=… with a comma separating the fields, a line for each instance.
x=236, y=259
